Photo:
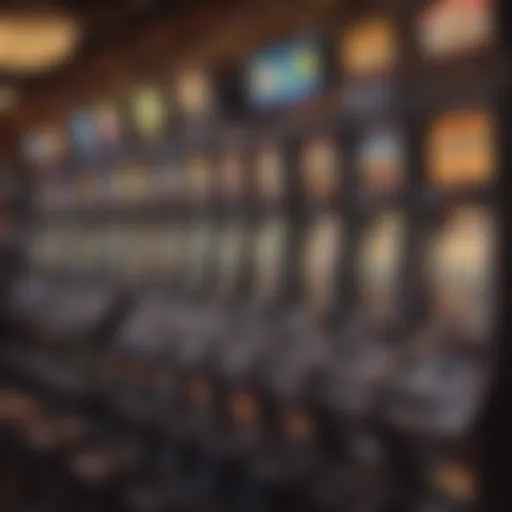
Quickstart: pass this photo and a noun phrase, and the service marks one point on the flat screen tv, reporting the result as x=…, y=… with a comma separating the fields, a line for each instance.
x=283, y=74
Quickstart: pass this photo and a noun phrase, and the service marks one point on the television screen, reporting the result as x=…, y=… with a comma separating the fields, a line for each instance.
x=284, y=74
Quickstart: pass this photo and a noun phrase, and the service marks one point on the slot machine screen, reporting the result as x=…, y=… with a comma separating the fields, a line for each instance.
x=461, y=150
x=320, y=168
x=149, y=112
x=270, y=172
x=231, y=175
x=194, y=92
x=199, y=178
x=199, y=243
x=82, y=131
x=381, y=162
x=287, y=73
x=320, y=261
x=108, y=125
x=461, y=269
x=379, y=266
x=270, y=259
x=451, y=27
x=230, y=258
x=369, y=46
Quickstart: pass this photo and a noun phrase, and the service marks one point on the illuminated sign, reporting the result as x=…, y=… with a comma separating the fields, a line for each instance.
x=449, y=27
x=369, y=46
x=461, y=149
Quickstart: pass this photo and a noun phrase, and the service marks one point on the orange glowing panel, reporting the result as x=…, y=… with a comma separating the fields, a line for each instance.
x=461, y=149
x=369, y=46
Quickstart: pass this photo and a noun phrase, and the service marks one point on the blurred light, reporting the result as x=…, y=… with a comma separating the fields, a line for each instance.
x=30, y=43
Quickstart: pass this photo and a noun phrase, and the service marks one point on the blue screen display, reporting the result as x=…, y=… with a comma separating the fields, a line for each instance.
x=83, y=132
x=284, y=74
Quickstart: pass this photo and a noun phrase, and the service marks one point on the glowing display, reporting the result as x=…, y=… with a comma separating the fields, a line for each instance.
x=461, y=149
x=284, y=74
x=369, y=46
x=450, y=27
x=461, y=268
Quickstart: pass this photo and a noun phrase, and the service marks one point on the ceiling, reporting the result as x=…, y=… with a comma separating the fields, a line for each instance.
x=105, y=23
x=127, y=38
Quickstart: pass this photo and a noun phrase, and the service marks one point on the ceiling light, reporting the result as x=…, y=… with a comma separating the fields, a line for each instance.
x=32, y=43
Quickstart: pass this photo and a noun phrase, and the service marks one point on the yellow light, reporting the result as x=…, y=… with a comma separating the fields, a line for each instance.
x=35, y=42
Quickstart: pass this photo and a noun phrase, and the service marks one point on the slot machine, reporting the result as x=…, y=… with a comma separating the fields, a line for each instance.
x=439, y=377
x=246, y=421
x=269, y=415
x=446, y=369
x=378, y=183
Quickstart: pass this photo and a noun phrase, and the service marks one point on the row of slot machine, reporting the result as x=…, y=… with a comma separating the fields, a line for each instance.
x=386, y=215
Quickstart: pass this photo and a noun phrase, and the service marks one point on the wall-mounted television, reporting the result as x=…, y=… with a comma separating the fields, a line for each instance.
x=286, y=73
